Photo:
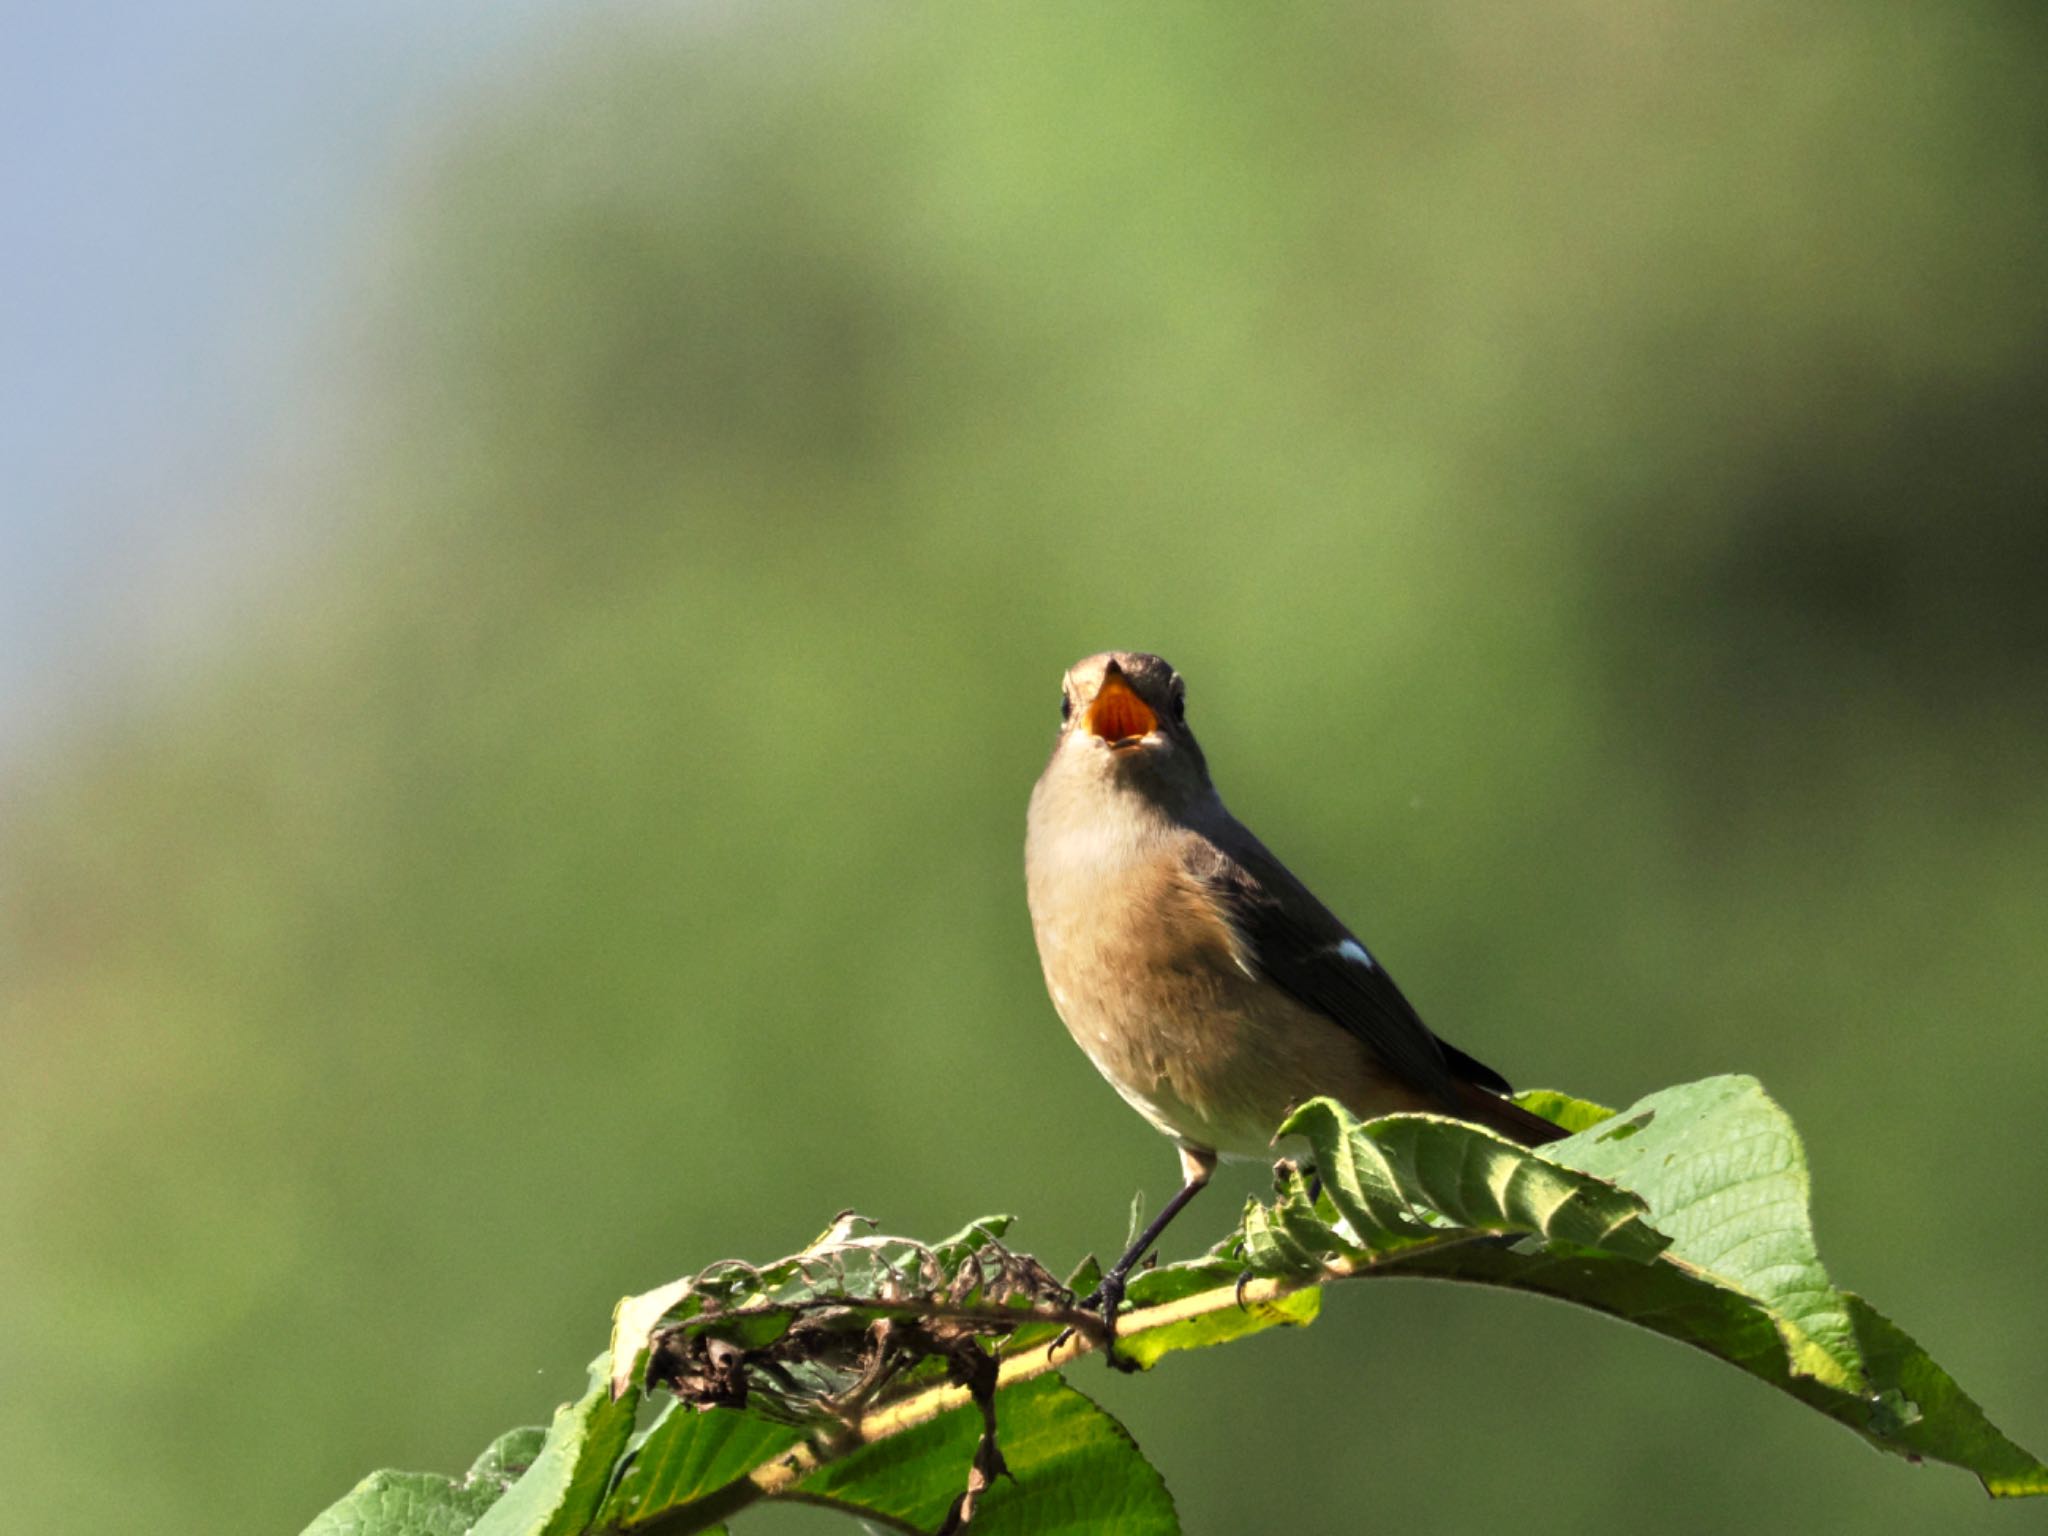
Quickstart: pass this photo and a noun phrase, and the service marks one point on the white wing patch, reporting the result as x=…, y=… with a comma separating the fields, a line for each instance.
x=1355, y=952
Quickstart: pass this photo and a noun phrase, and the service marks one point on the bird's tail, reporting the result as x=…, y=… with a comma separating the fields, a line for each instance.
x=1506, y=1116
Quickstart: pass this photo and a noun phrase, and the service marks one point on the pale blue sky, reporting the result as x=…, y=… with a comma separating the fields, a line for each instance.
x=181, y=186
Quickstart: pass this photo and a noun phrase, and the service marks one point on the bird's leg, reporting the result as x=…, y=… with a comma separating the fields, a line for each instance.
x=1196, y=1165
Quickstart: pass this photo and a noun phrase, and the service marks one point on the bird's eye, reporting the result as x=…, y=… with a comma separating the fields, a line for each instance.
x=1066, y=709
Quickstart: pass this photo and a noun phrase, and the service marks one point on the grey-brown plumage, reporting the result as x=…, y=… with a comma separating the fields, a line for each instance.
x=1211, y=988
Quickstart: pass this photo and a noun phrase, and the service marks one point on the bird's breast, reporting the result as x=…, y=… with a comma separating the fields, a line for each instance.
x=1149, y=979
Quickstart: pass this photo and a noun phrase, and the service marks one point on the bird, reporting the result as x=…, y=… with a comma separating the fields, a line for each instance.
x=1210, y=986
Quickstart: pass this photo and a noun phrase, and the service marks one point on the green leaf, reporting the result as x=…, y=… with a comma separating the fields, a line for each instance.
x=1719, y=1171
x=1686, y=1214
x=562, y=1490
x=1073, y=1468
x=1724, y=1173
x=505, y=1460
x=403, y=1504
x=1913, y=1408
x=1233, y=1320
x=971, y=1239
x=1562, y=1109
x=427, y=1503
x=1276, y=1240
x=1922, y=1412
x=688, y=1455
x=1406, y=1179
x=1389, y=1185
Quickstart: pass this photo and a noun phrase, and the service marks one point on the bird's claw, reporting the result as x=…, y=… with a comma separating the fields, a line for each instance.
x=1107, y=1299
x=1107, y=1296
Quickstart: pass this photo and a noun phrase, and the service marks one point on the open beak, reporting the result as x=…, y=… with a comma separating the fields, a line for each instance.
x=1118, y=715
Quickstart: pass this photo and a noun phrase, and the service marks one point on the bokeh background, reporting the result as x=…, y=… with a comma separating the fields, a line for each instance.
x=543, y=545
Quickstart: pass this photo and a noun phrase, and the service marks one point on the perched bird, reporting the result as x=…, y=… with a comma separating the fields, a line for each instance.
x=1211, y=988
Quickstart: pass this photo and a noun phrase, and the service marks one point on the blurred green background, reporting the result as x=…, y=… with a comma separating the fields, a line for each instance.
x=1587, y=459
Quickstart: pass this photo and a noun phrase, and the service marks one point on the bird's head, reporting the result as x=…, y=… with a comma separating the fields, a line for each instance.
x=1123, y=714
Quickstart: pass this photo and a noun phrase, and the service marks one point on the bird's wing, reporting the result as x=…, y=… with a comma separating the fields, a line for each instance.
x=1291, y=939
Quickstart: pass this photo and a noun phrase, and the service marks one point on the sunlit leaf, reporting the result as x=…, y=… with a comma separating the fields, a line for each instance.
x=1562, y=1109
x=562, y=1490
x=1392, y=1178
x=1235, y=1319
x=1073, y=1468
x=1725, y=1175
x=1686, y=1214
x=1714, y=1167
x=689, y=1454
x=426, y=1503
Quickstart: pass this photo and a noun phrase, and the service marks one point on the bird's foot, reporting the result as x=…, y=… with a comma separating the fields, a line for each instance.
x=1107, y=1300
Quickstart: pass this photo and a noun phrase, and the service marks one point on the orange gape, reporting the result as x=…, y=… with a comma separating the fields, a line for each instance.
x=1118, y=714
